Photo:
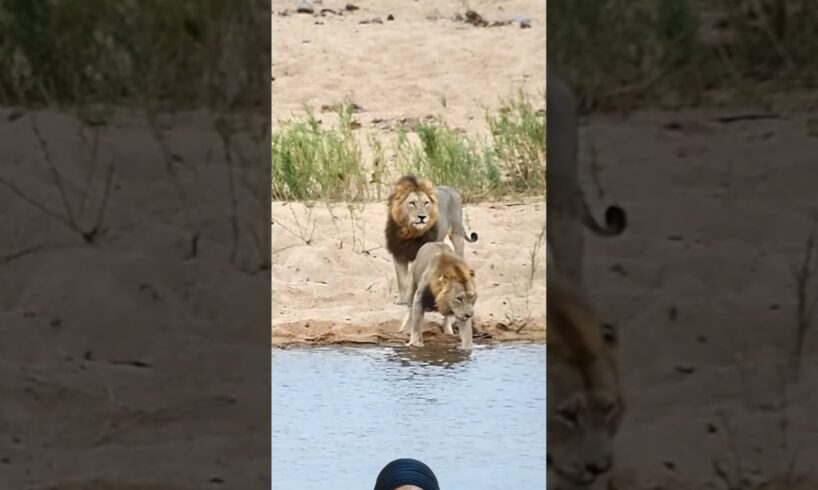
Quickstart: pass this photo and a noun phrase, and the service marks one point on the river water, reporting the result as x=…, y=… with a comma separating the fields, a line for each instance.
x=340, y=414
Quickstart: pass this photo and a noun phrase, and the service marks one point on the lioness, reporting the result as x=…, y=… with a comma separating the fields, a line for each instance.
x=585, y=405
x=419, y=213
x=566, y=208
x=440, y=281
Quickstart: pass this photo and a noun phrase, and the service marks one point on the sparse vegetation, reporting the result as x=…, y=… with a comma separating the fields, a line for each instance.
x=518, y=135
x=176, y=54
x=449, y=158
x=621, y=52
x=311, y=162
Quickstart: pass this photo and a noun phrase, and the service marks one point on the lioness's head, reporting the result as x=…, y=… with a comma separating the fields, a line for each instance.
x=585, y=406
x=453, y=288
x=413, y=206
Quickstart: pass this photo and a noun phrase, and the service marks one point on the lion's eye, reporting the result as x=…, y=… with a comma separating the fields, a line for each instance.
x=412, y=204
x=458, y=299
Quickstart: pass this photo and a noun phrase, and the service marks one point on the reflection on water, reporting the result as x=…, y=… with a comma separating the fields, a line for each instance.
x=340, y=414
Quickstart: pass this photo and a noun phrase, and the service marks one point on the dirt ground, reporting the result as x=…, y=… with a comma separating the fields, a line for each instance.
x=703, y=291
x=113, y=360
x=341, y=286
x=407, y=67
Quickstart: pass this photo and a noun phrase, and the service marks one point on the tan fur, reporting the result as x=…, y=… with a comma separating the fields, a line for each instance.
x=585, y=405
x=419, y=213
x=398, y=213
x=448, y=271
x=441, y=281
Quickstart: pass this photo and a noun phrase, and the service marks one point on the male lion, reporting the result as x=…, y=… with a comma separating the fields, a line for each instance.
x=442, y=282
x=585, y=406
x=566, y=208
x=420, y=213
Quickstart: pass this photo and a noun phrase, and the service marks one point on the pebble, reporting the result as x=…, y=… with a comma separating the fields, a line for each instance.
x=374, y=20
x=304, y=8
x=523, y=21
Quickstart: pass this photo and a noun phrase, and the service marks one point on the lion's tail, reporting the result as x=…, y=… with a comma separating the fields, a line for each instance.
x=469, y=237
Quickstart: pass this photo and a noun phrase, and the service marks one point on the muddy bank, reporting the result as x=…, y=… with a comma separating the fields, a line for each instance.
x=386, y=333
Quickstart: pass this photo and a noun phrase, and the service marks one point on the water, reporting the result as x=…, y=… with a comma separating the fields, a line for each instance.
x=340, y=414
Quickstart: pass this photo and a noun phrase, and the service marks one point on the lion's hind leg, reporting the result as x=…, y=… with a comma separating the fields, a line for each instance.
x=459, y=243
x=406, y=319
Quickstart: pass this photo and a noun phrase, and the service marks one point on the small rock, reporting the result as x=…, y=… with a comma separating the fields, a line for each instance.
x=523, y=21
x=475, y=19
x=390, y=17
x=305, y=8
x=374, y=20
x=351, y=8
x=685, y=369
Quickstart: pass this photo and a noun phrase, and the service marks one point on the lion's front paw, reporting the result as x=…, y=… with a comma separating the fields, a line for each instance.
x=414, y=343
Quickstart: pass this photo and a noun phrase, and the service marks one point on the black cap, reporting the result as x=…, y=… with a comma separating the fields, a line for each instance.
x=406, y=471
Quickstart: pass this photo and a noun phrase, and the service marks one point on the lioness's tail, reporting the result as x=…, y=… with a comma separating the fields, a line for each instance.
x=615, y=221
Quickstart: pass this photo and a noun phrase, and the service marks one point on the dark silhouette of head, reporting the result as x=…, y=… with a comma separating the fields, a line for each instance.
x=406, y=472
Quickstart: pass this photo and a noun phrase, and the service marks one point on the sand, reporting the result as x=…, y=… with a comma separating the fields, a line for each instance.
x=341, y=287
x=128, y=362
x=702, y=289
x=405, y=68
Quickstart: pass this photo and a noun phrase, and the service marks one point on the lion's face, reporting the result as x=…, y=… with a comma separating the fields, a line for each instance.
x=418, y=211
x=461, y=301
x=584, y=413
x=584, y=403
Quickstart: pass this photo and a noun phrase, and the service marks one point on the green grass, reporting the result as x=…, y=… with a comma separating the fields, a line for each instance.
x=449, y=158
x=518, y=136
x=313, y=163
x=634, y=52
x=310, y=162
